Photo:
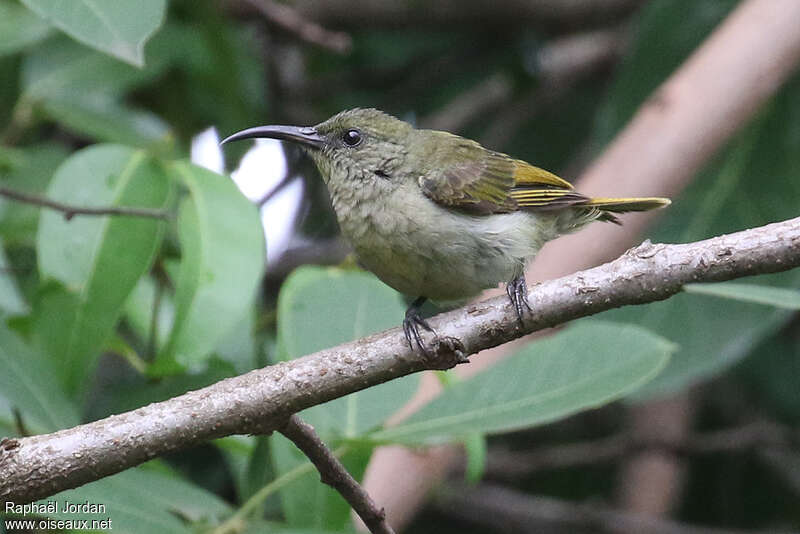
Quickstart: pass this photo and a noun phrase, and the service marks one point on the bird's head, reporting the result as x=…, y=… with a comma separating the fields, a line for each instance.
x=354, y=145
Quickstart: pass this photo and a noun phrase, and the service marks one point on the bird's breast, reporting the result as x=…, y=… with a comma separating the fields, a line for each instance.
x=422, y=249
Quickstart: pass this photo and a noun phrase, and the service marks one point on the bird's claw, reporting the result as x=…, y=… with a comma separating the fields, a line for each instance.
x=443, y=353
x=413, y=320
x=517, y=291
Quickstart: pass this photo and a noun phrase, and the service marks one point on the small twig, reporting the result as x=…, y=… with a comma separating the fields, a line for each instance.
x=291, y=21
x=71, y=211
x=334, y=474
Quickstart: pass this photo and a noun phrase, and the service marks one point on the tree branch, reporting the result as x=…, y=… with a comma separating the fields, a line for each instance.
x=334, y=474
x=291, y=21
x=261, y=400
x=71, y=211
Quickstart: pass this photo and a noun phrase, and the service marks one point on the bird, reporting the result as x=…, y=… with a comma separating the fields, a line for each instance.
x=435, y=215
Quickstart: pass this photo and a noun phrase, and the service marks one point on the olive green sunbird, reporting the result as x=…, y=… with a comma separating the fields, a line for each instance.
x=438, y=216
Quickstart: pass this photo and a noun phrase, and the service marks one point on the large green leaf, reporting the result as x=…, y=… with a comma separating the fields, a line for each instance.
x=104, y=118
x=19, y=28
x=751, y=183
x=585, y=366
x=95, y=260
x=117, y=27
x=144, y=501
x=770, y=296
x=221, y=265
x=320, y=308
x=83, y=89
x=29, y=384
x=62, y=69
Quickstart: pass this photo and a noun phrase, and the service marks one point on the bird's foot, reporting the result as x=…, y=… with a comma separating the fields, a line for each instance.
x=517, y=291
x=411, y=324
x=444, y=352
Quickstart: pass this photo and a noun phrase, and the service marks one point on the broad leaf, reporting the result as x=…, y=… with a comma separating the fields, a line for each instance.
x=102, y=117
x=320, y=308
x=117, y=27
x=583, y=367
x=19, y=28
x=221, y=265
x=778, y=297
x=29, y=384
x=95, y=260
x=62, y=69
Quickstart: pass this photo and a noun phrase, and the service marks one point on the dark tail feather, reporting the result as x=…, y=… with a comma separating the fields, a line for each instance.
x=609, y=206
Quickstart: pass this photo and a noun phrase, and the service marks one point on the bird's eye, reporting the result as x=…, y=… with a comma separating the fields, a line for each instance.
x=352, y=137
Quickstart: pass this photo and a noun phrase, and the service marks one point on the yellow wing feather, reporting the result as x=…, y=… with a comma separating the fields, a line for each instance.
x=527, y=174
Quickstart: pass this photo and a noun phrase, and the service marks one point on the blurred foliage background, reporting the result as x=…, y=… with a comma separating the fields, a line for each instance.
x=99, y=106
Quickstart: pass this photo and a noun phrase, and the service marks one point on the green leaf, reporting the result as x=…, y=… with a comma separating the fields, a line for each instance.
x=583, y=367
x=788, y=299
x=117, y=27
x=96, y=260
x=28, y=382
x=221, y=265
x=144, y=501
x=751, y=183
x=320, y=308
x=102, y=117
x=61, y=69
x=19, y=28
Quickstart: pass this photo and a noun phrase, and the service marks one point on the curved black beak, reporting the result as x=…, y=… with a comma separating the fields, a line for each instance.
x=304, y=135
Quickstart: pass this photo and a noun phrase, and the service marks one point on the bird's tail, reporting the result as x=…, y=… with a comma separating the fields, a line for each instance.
x=609, y=206
x=622, y=205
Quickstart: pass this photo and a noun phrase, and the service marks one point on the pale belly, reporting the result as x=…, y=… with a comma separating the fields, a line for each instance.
x=450, y=257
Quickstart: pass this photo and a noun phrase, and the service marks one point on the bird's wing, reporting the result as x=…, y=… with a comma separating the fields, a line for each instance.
x=538, y=189
x=483, y=182
x=473, y=179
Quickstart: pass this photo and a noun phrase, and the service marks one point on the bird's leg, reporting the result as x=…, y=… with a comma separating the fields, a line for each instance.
x=517, y=291
x=411, y=323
